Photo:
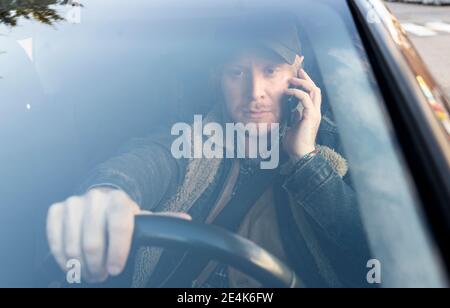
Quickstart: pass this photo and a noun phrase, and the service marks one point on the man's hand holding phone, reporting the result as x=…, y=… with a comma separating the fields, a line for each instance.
x=300, y=138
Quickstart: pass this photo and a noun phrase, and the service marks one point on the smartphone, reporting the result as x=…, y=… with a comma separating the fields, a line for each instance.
x=290, y=104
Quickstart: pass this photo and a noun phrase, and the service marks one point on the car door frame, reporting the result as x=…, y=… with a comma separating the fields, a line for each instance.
x=422, y=137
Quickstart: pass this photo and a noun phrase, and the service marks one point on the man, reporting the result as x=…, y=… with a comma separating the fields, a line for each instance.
x=306, y=215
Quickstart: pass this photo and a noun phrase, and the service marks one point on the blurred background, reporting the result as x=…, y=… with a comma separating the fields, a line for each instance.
x=428, y=25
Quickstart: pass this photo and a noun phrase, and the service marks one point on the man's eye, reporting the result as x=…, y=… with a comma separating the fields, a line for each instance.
x=271, y=71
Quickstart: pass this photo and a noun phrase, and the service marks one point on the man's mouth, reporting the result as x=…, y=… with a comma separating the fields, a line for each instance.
x=257, y=114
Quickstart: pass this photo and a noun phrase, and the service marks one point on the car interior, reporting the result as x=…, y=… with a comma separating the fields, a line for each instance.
x=90, y=88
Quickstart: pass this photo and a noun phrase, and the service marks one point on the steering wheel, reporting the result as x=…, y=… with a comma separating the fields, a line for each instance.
x=217, y=243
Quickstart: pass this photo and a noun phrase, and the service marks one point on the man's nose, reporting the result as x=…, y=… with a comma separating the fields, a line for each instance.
x=256, y=88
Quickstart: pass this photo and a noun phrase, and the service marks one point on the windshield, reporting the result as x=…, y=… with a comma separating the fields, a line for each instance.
x=102, y=94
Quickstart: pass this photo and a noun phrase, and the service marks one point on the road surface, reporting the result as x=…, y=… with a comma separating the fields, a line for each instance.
x=429, y=29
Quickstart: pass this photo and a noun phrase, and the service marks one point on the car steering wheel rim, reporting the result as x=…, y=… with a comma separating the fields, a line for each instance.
x=220, y=244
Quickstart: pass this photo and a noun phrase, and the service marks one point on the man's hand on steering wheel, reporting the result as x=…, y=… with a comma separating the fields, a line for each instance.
x=95, y=229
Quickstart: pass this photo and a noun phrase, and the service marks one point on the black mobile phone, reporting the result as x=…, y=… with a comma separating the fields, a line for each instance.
x=290, y=104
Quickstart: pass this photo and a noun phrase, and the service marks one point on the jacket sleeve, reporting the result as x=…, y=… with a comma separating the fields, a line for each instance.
x=144, y=168
x=319, y=188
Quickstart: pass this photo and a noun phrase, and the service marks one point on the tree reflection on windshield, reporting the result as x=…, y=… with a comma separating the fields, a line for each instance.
x=43, y=11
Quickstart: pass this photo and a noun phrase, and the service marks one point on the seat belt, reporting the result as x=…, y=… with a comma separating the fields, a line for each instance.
x=223, y=200
x=228, y=215
x=225, y=195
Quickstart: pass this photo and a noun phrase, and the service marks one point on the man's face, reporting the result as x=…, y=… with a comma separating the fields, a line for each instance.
x=253, y=84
